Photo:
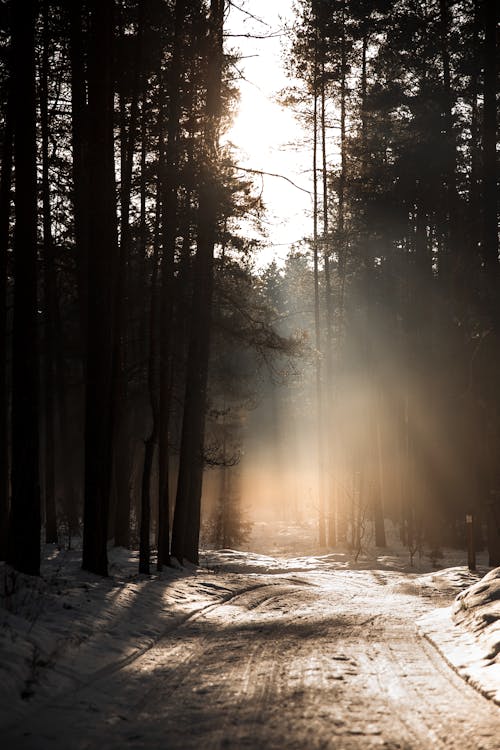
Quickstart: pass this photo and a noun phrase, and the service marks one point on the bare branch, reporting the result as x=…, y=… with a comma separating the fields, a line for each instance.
x=247, y=13
x=272, y=174
x=272, y=35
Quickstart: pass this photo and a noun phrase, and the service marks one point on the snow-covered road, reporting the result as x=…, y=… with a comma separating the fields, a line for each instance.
x=307, y=659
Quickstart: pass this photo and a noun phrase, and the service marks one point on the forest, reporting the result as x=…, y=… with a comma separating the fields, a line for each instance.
x=142, y=341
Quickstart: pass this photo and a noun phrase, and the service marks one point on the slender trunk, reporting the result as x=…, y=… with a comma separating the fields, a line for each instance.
x=5, y=201
x=317, y=323
x=24, y=529
x=152, y=439
x=332, y=531
x=153, y=387
x=121, y=443
x=78, y=23
x=341, y=239
x=69, y=479
x=490, y=224
x=102, y=272
x=170, y=229
x=453, y=231
x=145, y=522
x=378, y=479
x=186, y=528
x=326, y=228
x=364, y=119
x=182, y=298
x=490, y=159
x=141, y=351
x=49, y=297
x=474, y=198
x=80, y=165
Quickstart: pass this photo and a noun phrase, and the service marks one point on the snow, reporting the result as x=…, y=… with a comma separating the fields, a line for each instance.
x=467, y=633
x=68, y=629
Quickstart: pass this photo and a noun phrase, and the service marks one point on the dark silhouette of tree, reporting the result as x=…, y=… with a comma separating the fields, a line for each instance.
x=78, y=20
x=5, y=211
x=24, y=529
x=170, y=179
x=186, y=528
x=49, y=296
x=102, y=279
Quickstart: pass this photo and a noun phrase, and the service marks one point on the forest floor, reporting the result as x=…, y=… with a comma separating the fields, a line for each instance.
x=292, y=650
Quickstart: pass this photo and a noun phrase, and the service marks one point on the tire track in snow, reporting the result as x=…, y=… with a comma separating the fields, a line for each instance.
x=334, y=663
x=176, y=648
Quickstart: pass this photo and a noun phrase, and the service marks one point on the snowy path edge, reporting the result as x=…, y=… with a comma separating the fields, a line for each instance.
x=461, y=651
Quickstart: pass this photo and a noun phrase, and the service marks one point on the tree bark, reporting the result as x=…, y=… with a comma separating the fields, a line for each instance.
x=317, y=324
x=49, y=298
x=24, y=529
x=170, y=182
x=329, y=479
x=121, y=443
x=152, y=439
x=474, y=195
x=490, y=195
x=341, y=240
x=378, y=479
x=101, y=304
x=80, y=160
x=186, y=526
x=5, y=207
x=453, y=227
x=153, y=355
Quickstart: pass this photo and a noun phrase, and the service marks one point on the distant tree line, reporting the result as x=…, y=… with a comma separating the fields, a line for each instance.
x=401, y=99
x=124, y=278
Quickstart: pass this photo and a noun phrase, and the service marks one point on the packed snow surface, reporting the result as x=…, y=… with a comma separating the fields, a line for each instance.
x=252, y=650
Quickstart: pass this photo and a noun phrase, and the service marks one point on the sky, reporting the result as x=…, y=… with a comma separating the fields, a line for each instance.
x=267, y=135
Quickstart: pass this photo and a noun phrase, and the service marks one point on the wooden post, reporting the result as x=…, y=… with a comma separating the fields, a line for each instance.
x=471, y=551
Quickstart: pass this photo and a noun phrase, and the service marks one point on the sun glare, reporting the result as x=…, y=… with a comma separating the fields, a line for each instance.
x=266, y=135
x=262, y=128
x=267, y=138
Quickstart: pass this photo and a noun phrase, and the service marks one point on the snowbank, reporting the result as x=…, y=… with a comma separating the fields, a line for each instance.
x=66, y=628
x=467, y=634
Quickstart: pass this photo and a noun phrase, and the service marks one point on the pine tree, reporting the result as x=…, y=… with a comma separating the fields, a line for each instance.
x=24, y=529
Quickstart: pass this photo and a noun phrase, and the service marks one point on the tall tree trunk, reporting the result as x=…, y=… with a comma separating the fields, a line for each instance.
x=152, y=439
x=186, y=527
x=326, y=227
x=490, y=224
x=170, y=229
x=378, y=478
x=80, y=160
x=490, y=159
x=317, y=323
x=329, y=479
x=49, y=297
x=78, y=28
x=153, y=340
x=121, y=443
x=474, y=196
x=101, y=306
x=5, y=201
x=24, y=529
x=341, y=239
x=363, y=108
x=454, y=247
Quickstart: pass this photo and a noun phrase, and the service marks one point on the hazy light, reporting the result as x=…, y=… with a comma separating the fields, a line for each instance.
x=267, y=135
